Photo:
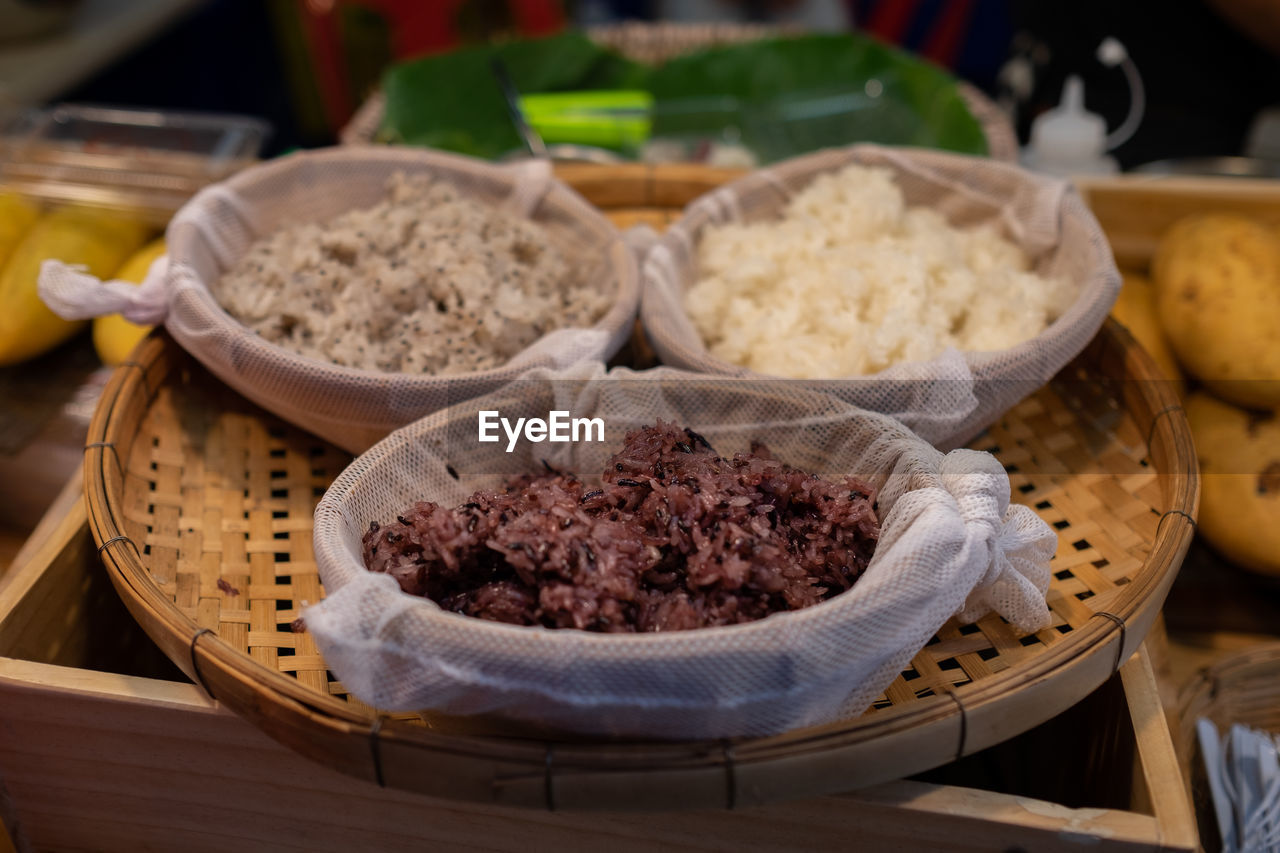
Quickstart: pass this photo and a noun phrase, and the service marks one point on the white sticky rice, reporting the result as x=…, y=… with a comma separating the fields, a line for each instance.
x=850, y=281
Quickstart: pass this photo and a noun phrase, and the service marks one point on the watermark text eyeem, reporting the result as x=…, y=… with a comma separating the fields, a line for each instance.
x=558, y=427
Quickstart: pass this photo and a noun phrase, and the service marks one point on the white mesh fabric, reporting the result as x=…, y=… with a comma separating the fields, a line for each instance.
x=950, y=541
x=354, y=408
x=950, y=399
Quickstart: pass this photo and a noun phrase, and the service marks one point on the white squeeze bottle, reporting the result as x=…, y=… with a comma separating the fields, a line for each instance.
x=1069, y=140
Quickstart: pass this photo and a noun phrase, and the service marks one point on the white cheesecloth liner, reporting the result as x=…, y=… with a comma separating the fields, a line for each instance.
x=950, y=399
x=352, y=408
x=951, y=544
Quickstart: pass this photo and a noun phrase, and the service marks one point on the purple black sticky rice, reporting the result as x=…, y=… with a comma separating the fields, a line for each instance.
x=675, y=537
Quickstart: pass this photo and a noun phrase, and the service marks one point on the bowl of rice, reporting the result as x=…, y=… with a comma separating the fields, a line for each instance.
x=935, y=287
x=772, y=562
x=352, y=291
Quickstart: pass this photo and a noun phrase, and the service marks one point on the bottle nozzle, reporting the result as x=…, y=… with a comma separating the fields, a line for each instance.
x=1069, y=139
x=1072, y=95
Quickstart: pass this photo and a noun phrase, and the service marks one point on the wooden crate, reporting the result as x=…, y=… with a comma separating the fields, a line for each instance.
x=105, y=746
x=1136, y=210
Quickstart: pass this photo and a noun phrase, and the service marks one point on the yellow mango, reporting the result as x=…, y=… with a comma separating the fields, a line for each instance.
x=100, y=241
x=17, y=215
x=114, y=337
x=1136, y=309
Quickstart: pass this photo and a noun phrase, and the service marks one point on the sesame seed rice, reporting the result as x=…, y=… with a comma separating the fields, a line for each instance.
x=350, y=321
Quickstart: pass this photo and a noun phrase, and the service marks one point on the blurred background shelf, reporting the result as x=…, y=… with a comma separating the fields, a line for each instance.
x=97, y=33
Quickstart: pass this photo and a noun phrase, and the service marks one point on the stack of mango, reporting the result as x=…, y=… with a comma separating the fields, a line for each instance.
x=106, y=243
x=1211, y=312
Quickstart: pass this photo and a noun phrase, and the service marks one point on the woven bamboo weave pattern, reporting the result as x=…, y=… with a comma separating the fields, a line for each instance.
x=220, y=496
x=1106, y=511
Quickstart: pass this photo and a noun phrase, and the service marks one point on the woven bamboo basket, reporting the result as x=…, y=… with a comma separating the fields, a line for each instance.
x=654, y=43
x=1241, y=688
x=201, y=505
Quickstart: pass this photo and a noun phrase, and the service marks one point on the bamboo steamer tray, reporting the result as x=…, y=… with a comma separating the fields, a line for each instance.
x=201, y=505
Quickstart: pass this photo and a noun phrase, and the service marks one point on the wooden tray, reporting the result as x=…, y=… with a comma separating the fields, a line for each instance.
x=105, y=747
x=201, y=505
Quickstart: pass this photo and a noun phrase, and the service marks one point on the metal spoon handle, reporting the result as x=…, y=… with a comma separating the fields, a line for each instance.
x=532, y=140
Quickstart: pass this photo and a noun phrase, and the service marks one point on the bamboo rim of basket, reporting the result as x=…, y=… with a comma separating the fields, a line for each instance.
x=533, y=772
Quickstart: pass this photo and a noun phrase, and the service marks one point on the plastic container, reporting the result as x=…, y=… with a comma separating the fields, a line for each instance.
x=142, y=160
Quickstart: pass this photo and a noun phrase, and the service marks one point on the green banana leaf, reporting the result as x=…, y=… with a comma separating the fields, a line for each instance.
x=452, y=101
x=790, y=95
x=779, y=97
